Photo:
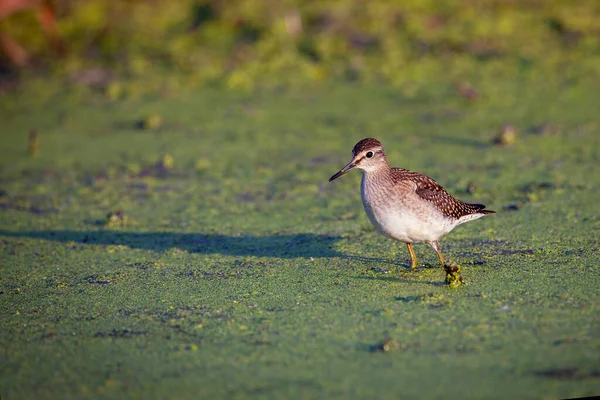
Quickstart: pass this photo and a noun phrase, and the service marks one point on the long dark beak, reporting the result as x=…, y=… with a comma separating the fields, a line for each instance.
x=349, y=167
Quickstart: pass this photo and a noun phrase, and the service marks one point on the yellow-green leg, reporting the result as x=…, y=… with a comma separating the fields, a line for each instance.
x=413, y=256
x=453, y=277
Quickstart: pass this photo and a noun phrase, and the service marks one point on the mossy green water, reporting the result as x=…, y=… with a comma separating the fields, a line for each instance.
x=210, y=258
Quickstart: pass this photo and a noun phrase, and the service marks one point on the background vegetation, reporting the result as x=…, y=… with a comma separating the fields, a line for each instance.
x=245, y=43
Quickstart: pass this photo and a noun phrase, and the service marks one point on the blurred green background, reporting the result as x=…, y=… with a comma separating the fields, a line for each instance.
x=117, y=44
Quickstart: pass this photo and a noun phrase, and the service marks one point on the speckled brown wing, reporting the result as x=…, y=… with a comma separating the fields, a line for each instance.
x=430, y=190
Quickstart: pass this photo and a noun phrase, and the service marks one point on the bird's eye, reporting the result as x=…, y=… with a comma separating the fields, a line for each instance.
x=369, y=154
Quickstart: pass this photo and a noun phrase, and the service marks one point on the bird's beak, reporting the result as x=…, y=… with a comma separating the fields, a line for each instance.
x=349, y=167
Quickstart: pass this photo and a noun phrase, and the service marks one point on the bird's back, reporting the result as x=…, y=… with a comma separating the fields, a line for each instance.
x=429, y=190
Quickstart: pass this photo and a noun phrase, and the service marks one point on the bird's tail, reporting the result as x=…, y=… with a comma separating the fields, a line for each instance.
x=480, y=209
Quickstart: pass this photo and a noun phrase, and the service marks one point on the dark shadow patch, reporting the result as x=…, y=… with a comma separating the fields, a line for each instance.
x=99, y=279
x=199, y=274
x=536, y=187
x=282, y=246
x=408, y=299
x=160, y=170
x=201, y=14
x=24, y=205
x=275, y=309
x=259, y=342
x=143, y=265
x=513, y=252
x=568, y=341
x=568, y=374
x=433, y=300
x=120, y=334
x=386, y=345
x=94, y=280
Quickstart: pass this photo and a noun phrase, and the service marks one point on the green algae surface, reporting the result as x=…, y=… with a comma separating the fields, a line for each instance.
x=207, y=256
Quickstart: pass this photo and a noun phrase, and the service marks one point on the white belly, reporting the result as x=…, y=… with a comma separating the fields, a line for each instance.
x=404, y=226
x=401, y=219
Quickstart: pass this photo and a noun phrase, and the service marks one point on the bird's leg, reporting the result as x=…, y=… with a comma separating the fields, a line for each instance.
x=413, y=256
x=453, y=277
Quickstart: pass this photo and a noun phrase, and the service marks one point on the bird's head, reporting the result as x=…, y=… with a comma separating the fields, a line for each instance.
x=367, y=155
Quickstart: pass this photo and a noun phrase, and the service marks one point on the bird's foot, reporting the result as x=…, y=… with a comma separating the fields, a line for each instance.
x=453, y=277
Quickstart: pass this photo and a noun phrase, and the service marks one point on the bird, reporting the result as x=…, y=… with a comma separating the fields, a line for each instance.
x=408, y=206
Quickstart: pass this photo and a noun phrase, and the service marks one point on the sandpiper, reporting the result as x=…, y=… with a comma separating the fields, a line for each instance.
x=408, y=206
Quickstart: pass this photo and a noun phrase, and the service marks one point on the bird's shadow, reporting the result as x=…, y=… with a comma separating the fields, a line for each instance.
x=281, y=246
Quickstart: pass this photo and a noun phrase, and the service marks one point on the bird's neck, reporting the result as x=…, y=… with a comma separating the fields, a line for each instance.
x=381, y=171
